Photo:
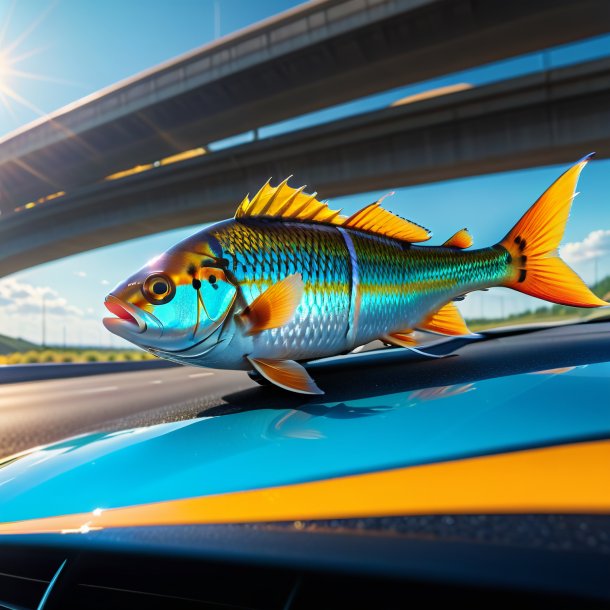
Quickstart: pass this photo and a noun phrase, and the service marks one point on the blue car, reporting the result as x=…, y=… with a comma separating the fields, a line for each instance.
x=474, y=478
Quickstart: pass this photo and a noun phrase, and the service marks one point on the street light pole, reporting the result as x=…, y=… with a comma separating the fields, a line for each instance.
x=216, y=19
x=44, y=320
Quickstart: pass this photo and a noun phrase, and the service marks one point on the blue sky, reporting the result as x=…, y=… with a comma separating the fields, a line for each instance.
x=86, y=45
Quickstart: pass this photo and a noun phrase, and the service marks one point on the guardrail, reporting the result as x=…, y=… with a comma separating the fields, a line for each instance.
x=16, y=373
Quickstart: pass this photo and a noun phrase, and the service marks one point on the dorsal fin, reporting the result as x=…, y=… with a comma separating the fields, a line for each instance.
x=375, y=219
x=462, y=239
x=284, y=202
x=446, y=321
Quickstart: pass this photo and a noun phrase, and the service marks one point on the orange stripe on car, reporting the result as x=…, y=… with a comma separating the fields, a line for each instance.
x=571, y=478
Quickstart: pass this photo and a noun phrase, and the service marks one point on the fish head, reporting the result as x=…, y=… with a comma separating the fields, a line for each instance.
x=175, y=305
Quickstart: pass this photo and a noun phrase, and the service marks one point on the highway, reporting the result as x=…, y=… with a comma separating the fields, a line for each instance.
x=41, y=412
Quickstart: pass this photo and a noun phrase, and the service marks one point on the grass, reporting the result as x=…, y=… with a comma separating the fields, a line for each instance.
x=9, y=345
x=529, y=317
x=19, y=351
x=37, y=356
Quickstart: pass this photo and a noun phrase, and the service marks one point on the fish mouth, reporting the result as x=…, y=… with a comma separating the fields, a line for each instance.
x=127, y=316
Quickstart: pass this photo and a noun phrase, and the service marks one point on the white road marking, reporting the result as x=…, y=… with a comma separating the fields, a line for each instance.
x=156, y=382
x=195, y=375
x=110, y=388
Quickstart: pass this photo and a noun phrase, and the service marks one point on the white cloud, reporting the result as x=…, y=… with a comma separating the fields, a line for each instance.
x=597, y=243
x=104, y=282
x=23, y=299
x=80, y=273
x=21, y=316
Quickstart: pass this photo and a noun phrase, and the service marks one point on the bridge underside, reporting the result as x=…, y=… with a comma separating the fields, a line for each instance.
x=541, y=119
x=318, y=55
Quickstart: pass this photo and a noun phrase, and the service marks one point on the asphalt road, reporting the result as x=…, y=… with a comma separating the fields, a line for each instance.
x=40, y=412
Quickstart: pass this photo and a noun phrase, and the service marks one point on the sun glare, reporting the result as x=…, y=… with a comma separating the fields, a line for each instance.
x=11, y=54
x=4, y=68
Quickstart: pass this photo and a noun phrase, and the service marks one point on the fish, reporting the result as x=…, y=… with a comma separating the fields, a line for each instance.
x=288, y=280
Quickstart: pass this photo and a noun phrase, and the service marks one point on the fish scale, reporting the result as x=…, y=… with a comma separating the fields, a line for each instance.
x=263, y=253
x=398, y=284
x=383, y=280
x=435, y=273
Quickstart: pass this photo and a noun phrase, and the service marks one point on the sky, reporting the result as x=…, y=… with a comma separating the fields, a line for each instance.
x=70, y=48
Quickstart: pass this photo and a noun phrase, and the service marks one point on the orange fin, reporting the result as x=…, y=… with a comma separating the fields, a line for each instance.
x=462, y=239
x=274, y=307
x=282, y=202
x=402, y=338
x=286, y=374
x=446, y=321
x=536, y=268
x=375, y=219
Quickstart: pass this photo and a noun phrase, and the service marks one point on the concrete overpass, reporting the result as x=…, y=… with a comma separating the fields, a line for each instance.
x=314, y=56
x=539, y=119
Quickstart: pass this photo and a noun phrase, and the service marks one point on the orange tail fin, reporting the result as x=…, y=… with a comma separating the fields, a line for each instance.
x=537, y=269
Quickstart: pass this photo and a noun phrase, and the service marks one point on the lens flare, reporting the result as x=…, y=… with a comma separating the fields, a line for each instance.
x=12, y=54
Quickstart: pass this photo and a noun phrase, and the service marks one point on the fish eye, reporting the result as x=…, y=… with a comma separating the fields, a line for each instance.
x=158, y=289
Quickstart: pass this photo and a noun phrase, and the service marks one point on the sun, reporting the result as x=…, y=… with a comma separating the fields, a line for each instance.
x=11, y=54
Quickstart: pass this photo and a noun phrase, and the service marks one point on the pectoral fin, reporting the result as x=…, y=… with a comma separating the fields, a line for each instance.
x=446, y=321
x=274, y=307
x=286, y=374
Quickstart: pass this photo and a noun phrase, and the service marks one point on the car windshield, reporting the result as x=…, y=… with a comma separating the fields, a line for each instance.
x=250, y=245
x=74, y=229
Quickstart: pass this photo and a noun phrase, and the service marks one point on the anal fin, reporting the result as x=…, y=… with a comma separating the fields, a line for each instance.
x=446, y=321
x=286, y=374
x=401, y=338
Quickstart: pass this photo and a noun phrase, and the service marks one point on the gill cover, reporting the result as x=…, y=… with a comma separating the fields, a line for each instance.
x=214, y=296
